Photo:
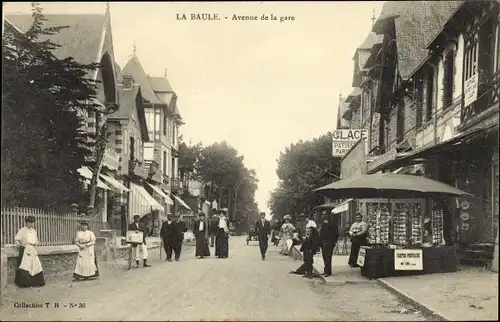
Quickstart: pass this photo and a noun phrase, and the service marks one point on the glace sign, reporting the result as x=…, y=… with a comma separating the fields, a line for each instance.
x=344, y=140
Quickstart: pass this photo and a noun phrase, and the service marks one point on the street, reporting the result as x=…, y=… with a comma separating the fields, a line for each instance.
x=242, y=287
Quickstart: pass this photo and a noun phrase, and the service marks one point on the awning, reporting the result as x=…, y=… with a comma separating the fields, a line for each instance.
x=179, y=200
x=161, y=193
x=326, y=205
x=115, y=183
x=344, y=206
x=87, y=174
x=147, y=200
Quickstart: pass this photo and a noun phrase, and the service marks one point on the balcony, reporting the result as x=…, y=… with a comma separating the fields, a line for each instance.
x=111, y=159
x=138, y=169
x=485, y=105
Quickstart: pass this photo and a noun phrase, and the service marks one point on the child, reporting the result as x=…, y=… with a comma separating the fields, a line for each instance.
x=309, y=248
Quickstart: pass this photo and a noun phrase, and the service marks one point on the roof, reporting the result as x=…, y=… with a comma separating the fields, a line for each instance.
x=416, y=23
x=117, y=69
x=371, y=40
x=128, y=104
x=82, y=40
x=356, y=91
x=133, y=67
x=160, y=84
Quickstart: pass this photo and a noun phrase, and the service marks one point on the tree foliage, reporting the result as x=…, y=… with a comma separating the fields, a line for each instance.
x=43, y=140
x=220, y=167
x=303, y=167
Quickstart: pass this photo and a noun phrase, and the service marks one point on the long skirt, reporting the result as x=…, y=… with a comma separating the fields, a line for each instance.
x=222, y=244
x=202, y=248
x=356, y=243
x=24, y=278
x=284, y=244
x=86, y=264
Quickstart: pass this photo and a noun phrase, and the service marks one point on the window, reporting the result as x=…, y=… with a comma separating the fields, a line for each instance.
x=173, y=133
x=157, y=122
x=419, y=96
x=448, y=79
x=150, y=121
x=164, y=162
x=430, y=90
x=132, y=148
x=400, y=130
x=165, y=120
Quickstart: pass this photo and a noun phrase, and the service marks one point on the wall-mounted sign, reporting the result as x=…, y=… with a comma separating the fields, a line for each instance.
x=384, y=158
x=354, y=161
x=344, y=140
x=408, y=260
x=470, y=89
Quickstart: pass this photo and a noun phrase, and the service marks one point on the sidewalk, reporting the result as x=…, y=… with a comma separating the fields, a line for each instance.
x=342, y=272
x=466, y=295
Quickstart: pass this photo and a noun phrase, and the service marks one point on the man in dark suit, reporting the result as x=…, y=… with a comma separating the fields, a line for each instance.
x=263, y=230
x=329, y=235
x=213, y=227
x=172, y=233
x=138, y=226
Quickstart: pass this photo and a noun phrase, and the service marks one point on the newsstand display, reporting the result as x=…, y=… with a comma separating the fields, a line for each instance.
x=404, y=239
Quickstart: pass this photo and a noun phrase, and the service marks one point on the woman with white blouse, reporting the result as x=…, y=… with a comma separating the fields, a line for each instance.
x=86, y=262
x=286, y=233
x=29, y=272
x=358, y=234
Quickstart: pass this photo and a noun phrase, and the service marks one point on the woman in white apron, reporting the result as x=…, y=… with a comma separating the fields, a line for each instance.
x=86, y=262
x=286, y=233
x=29, y=272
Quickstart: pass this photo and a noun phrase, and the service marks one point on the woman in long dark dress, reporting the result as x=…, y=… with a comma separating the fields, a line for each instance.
x=222, y=240
x=29, y=272
x=358, y=233
x=199, y=231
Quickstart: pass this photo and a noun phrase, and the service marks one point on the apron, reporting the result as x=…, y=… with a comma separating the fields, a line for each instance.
x=30, y=261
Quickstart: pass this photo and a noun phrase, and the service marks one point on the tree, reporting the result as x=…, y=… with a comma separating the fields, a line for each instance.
x=44, y=140
x=303, y=167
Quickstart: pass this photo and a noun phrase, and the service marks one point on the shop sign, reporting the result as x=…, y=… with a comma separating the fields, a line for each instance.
x=408, y=260
x=344, y=140
x=470, y=89
x=354, y=161
x=361, y=257
x=384, y=158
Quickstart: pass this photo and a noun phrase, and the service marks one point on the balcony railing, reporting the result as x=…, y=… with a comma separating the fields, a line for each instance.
x=111, y=159
x=138, y=169
x=488, y=96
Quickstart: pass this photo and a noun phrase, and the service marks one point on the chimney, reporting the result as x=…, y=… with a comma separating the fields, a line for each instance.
x=165, y=73
x=127, y=81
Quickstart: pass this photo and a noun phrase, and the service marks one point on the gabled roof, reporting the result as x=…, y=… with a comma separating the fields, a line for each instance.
x=416, y=22
x=160, y=84
x=82, y=40
x=134, y=68
x=355, y=92
x=128, y=104
x=342, y=122
x=371, y=40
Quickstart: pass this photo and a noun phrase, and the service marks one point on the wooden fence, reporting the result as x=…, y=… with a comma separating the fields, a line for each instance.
x=52, y=229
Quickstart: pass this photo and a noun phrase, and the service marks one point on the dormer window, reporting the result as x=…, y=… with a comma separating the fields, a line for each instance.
x=127, y=81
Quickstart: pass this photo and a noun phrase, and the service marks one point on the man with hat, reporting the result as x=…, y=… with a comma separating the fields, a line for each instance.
x=200, y=231
x=172, y=234
x=263, y=230
x=138, y=226
x=329, y=235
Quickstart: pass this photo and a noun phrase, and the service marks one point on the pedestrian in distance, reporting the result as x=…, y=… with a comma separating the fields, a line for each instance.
x=138, y=226
x=222, y=238
x=29, y=272
x=263, y=229
x=213, y=227
x=200, y=233
x=329, y=235
x=286, y=233
x=172, y=234
x=358, y=234
x=86, y=262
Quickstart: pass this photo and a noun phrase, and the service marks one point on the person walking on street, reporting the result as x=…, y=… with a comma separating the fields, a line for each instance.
x=263, y=229
x=214, y=222
x=286, y=233
x=29, y=272
x=358, y=233
x=140, y=227
x=222, y=238
x=172, y=233
x=200, y=231
x=86, y=262
x=329, y=235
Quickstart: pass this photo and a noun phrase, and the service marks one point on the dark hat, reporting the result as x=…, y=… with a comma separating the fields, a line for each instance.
x=201, y=214
x=262, y=213
x=84, y=222
x=137, y=217
x=221, y=211
x=30, y=219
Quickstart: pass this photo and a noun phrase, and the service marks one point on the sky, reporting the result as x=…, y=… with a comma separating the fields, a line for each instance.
x=260, y=85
